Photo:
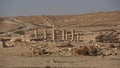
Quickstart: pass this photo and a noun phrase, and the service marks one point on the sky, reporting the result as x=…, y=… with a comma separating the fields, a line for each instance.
x=56, y=7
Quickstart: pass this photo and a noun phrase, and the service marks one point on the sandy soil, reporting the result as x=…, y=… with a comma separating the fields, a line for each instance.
x=10, y=57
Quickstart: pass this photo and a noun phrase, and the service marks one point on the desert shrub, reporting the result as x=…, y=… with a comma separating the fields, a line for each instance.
x=2, y=19
x=21, y=27
x=66, y=45
x=112, y=46
x=20, y=32
x=94, y=51
x=44, y=26
x=32, y=35
x=83, y=50
x=90, y=51
x=69, y=45
x=111, y=38
x=1, y=32
x=118, y=47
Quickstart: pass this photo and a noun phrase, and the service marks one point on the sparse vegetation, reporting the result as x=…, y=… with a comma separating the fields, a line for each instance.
x=32, y=35
x=2, y=19
x=59, y=46
x=112, y=37
x=21, y=27
x=20, y=32
x=1, y=32
x=82, y=51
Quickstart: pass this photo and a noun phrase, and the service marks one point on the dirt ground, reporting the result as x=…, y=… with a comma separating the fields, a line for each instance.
x=42, y=54
x=22, y=54
x=10, y=57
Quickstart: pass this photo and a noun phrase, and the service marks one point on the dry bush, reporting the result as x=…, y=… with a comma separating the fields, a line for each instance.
x=90, y=51
x=2, y=19
x=31, y=51
x=66, y=45
x=83, y=50
x=108, y=38
x=112, y=46
x=38, y=51
x=94, y=51
x=118, y=47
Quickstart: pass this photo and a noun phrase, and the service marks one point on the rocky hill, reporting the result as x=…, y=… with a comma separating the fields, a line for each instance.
x=84, y=20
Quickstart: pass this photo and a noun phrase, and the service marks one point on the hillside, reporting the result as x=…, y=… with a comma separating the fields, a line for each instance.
x=91, y=19
x=84, y=20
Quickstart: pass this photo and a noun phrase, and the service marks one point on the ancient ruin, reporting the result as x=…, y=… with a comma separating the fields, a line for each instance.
x=56, y=40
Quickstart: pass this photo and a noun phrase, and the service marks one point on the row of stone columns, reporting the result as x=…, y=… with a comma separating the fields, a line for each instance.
x=64, y=34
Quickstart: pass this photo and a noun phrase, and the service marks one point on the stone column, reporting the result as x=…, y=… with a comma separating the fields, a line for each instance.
x=66, y=38
x=77, y=36
x=72, y=31
x=36, y=33
x=63, y=35
x=45, y=34
x=53, y=35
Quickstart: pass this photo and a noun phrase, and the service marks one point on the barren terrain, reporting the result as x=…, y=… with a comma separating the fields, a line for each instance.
x=97, y=47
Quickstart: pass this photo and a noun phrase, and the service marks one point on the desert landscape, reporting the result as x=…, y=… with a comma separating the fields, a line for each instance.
x=61, y=41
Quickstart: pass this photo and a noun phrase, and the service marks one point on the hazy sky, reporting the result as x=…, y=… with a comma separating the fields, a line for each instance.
x=45, y=7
